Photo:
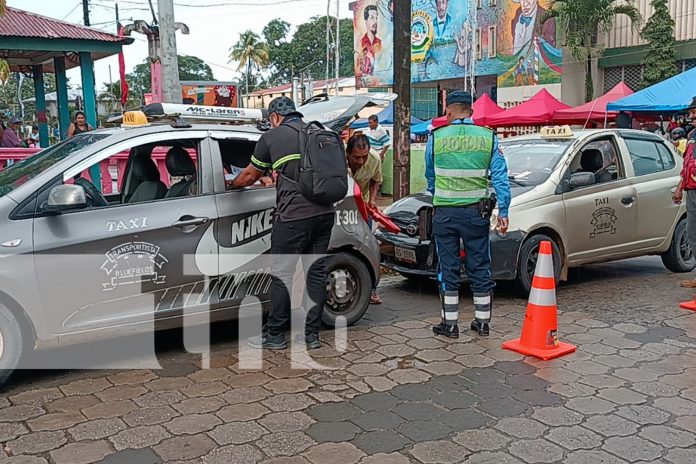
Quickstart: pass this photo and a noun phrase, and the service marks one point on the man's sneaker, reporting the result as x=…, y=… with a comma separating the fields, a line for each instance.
x=311, y=340
x=482, y=328
x=449, y=331
x=270, y=342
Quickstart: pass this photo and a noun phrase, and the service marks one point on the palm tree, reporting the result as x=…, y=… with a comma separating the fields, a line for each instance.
x=583, y=21
x=4, y=65
x=250, y=52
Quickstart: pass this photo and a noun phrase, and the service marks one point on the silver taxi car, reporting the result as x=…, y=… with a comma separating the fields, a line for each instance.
x=597, y=195
x=82, y=260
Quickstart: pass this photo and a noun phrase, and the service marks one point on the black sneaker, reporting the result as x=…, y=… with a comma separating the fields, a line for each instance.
x=482, y=328
x=449, y=331
x=311, y=341
x=271, y=342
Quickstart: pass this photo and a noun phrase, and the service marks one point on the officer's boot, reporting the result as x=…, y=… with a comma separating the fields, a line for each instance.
x=450, y=315
x=483, y=302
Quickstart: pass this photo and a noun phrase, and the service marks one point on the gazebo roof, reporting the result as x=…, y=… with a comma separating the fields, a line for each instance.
x=29, y=39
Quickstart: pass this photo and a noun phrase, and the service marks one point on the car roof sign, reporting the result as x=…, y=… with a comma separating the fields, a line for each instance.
x=208, y=113
x=134, y=119
x=556, y=132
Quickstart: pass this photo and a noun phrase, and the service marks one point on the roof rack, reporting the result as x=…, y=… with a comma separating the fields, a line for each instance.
x=179, y=113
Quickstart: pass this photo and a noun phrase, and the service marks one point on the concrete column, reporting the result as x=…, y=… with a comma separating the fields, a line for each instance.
x=40, y=94
x=168, y=54
x=90, y=98
x=62, y=92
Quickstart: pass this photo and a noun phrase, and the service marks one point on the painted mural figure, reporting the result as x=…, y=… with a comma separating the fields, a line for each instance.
x=527, y=22
x=443, y=22
x=370, y=44
x=462, y=56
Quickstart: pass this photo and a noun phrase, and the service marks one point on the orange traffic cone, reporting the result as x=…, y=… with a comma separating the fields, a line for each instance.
x=539, y=332
x=689, y=305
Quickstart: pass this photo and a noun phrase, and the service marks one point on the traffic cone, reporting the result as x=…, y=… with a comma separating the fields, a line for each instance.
x=689, y=305
x=539, y=333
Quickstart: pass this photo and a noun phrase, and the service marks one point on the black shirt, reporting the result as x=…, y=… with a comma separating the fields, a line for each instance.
x=279, y=150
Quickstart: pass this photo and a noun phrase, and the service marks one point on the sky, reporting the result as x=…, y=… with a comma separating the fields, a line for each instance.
x=213, y=29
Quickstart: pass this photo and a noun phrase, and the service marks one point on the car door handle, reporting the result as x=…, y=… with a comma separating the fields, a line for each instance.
x=628, y=200
x=186, y=222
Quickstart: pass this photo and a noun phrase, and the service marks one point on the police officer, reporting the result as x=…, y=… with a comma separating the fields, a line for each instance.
x=459, y=158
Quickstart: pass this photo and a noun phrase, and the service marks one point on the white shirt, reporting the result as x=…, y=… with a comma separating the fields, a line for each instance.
x=523, y=34
x=379, y=138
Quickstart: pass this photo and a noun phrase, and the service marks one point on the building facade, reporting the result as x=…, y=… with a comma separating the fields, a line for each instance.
x=500, y=47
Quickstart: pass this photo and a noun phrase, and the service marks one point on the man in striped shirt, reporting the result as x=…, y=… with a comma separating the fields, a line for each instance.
x=378, y=136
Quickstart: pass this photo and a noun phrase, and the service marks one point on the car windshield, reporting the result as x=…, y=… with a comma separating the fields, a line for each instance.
x=28, y=168
x=531, y=161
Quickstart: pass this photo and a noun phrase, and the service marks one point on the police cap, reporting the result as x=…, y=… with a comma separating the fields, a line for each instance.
x=459, y=96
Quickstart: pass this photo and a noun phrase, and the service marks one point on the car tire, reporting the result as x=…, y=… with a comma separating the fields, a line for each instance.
x=527, y=261
x=679, y=257
x=348, y=289
x=11, y=344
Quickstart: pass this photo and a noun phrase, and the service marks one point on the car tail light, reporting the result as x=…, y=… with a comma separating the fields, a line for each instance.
x=362, y=207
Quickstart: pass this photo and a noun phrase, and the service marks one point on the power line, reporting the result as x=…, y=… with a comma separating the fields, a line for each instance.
x=71, y=11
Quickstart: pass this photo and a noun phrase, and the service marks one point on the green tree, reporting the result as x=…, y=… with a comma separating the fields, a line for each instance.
x=9, y=92
x=191, y=68
x=251, y=53
x=582, y=21
x=660, y=59
x=307, y=48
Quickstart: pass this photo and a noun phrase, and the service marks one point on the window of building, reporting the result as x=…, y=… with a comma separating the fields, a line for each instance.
x=493, y=2
x=492, y=42
x=424, y=102
x=479, y=3
x=478, y=44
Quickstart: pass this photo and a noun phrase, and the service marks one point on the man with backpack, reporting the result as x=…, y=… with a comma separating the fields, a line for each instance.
x=688, y=184
x=312, y=175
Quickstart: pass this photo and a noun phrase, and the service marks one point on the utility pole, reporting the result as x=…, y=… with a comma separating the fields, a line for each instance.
x=85, y=11
x=328, y=46
x=170, y=66
x=401, y=140
x=338, y=43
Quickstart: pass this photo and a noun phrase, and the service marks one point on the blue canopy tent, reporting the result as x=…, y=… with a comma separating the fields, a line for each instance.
x=673, y=94
x=421, y=128
x=386, y=117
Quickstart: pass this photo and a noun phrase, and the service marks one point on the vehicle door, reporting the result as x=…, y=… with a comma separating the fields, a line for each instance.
x=601, y=216
x=128, y=262
x=242, y=234
x=656, y=174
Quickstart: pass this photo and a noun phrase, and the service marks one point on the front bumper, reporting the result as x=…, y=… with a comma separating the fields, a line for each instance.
x=504, y=254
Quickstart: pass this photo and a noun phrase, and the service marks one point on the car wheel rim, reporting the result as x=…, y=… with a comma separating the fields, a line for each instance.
x=532, y=262
x=341, y=290
x=684, y=249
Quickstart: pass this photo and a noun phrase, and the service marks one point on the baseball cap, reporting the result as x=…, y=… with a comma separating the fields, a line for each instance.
x=15, y=120
x=459, y=96
x=692, y=105
x=284, y=106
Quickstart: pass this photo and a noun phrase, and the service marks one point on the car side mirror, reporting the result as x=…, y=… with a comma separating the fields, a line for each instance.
x=66, y=198
x=581, y=179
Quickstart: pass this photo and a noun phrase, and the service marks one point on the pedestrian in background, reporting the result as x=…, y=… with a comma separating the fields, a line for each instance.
x=688, y=185
x=458, y=160
x=79, y=125
x=10, y=136
x=366, y=169
x=380, y=141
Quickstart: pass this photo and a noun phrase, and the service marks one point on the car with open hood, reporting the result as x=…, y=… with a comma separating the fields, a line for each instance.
x=133, y=228
x=596, y=195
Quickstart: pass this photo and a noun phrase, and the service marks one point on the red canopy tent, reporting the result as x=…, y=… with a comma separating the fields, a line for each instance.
x=596, y=110
x=537, y=111
x=484, y=107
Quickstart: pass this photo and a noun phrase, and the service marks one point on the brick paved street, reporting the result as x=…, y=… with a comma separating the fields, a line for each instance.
x=398, y=394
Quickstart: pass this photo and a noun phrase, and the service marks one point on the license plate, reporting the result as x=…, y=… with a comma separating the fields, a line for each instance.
x=405, y=254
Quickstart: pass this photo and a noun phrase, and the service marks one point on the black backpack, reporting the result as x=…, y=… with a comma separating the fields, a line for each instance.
x=323, y=174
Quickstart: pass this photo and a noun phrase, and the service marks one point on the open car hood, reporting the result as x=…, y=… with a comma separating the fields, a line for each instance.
x=339, y=112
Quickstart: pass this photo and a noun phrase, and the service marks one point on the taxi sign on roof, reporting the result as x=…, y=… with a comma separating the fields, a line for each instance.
x=556, y=132
x=134, y=119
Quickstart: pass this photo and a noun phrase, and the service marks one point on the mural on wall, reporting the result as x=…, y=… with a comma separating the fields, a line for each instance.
x=373, y=41
x=507, y=40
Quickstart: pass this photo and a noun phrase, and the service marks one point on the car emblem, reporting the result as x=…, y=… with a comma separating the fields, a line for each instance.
x=412, y=229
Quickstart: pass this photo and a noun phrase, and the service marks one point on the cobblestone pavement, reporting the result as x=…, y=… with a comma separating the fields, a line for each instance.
x=397, y=394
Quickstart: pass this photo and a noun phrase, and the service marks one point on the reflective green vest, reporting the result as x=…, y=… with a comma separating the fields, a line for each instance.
x=462, y=158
